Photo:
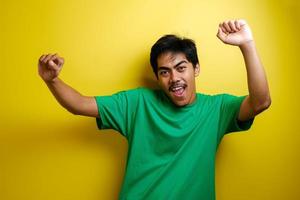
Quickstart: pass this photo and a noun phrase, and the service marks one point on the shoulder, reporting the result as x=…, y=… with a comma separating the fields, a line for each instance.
x=218, y=97
x=133, y=92
x=210, y=98
x=139, y=93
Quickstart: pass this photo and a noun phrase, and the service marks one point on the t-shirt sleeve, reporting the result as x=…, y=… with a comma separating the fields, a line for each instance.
x=230, y=107
x=117, y=111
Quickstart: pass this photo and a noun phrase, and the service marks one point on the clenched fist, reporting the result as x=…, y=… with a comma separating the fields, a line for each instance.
x=49, y=66
x=234, y=32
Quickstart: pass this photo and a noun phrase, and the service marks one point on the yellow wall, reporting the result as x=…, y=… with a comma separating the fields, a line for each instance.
x=47, y=153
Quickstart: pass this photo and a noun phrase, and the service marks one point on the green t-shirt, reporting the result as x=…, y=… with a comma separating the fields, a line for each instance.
x=171, y=149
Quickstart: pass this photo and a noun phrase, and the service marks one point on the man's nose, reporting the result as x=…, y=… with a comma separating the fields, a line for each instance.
x=174, y=77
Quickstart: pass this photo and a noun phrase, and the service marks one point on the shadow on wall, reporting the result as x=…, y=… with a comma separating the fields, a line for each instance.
x=147, y=78
x=88, y=134
x=80, y=138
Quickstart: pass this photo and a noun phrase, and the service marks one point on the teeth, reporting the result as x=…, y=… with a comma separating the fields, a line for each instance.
x=176, y=88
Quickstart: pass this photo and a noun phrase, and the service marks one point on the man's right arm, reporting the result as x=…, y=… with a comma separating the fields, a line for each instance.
x=49, y=68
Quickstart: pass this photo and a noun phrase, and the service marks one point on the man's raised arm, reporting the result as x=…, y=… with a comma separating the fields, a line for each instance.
x=238, y=33
x=49, y=67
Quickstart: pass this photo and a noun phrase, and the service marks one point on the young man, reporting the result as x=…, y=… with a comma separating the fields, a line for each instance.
x=173, y=133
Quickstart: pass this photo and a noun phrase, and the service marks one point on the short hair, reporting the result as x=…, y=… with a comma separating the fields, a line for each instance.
x=174, y=44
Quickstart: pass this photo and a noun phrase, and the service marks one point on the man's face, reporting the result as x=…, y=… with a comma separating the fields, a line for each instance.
x=176, y=77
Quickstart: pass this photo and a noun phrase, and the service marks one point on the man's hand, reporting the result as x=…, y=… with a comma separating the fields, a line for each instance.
x=235, y=32
x=238, y=33
x=49, y=66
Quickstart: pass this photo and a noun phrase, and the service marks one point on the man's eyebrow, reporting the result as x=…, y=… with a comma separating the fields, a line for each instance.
x=163, y=67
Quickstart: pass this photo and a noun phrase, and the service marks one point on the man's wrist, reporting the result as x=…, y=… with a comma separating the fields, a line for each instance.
x=247, y=45
x=51, y=82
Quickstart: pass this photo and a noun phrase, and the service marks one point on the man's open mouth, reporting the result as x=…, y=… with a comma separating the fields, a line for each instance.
x=177, y=90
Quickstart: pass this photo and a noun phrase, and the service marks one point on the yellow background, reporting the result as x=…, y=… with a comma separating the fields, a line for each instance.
x=48, y=153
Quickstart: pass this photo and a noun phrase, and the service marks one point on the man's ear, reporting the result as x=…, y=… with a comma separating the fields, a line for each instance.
x=197, y=70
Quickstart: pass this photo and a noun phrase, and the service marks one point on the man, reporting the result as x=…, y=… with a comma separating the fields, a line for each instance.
x=173, y=133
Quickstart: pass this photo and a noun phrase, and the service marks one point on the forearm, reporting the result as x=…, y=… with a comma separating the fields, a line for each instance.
x=68, y=97
x=257, y=82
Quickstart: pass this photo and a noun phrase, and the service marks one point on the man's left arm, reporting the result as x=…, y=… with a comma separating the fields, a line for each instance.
x=238, y=33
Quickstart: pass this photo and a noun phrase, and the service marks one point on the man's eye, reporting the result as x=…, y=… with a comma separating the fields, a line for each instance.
x=180, y=69
x=163, y=73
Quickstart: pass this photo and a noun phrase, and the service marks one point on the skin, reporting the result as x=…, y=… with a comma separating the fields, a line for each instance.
x=49, y=67
x=174, y=69
x=231, y=32
x=238, y=33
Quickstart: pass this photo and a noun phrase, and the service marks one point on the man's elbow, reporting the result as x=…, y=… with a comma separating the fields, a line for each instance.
x=262, y=106
x=77, y=111
x=73, y=111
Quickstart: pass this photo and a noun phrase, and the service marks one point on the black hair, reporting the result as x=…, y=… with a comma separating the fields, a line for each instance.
x=173, y=44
